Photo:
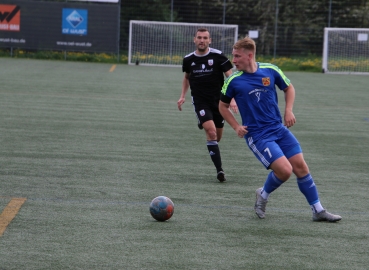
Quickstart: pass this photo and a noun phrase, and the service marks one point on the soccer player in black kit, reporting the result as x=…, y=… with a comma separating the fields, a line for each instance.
x=204, y=71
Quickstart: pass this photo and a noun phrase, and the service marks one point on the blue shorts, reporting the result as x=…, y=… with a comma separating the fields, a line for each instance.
x=277, y=144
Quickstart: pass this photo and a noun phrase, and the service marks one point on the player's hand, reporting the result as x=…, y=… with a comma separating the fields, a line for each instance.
x=289, y=118
x=180, y=102
x=241, y=131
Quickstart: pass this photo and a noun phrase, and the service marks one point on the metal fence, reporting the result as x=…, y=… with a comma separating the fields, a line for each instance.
x=282, y=27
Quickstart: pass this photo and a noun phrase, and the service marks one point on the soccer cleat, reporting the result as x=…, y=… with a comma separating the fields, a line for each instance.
x=326, y=216
x=260, y=204
x=221, y=176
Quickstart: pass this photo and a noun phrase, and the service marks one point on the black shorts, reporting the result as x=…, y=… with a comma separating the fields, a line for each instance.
x=206, y=111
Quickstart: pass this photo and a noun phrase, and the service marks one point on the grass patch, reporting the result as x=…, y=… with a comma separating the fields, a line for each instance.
x=64, y=55
x=311, y=64
x=90, y=148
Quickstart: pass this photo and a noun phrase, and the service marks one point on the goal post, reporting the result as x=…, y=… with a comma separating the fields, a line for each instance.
x=346, y=51
x=166, y=43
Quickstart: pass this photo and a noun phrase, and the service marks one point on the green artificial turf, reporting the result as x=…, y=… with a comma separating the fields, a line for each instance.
x=90, y=147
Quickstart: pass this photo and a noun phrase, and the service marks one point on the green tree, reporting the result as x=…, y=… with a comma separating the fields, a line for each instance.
x=146, y=10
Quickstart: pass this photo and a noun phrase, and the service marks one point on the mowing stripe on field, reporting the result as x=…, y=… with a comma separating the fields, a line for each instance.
x=9, y=212
x=112, y=68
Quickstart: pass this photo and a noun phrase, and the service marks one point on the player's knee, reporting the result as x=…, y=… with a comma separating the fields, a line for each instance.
x=284, y=172
x=211, y=135
x=219, y=132
x=301, y=169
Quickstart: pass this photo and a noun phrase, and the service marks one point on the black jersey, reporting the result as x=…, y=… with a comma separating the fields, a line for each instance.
x=206, y=73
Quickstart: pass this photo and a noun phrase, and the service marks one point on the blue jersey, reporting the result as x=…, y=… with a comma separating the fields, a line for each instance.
x=256, y=98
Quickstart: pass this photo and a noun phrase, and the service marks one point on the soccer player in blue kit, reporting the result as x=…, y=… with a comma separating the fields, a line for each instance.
x=253, y=88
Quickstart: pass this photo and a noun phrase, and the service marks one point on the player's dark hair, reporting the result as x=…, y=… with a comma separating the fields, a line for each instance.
x=202, y=29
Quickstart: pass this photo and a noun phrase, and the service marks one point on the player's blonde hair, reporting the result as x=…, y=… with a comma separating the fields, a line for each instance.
x=246, y=43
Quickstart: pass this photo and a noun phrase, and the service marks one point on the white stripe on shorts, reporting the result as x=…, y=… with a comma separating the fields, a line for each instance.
x=256, y=151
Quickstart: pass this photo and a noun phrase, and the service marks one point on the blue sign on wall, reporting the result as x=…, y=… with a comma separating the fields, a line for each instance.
x=71, y=26
x=74, y=21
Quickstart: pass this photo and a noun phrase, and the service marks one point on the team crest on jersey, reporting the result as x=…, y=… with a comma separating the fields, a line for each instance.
x=210, y=62
x=266, y=81
x=202, y=112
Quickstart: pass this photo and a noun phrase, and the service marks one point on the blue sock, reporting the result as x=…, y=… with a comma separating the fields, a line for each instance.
x=272, y=183
x=307, y=187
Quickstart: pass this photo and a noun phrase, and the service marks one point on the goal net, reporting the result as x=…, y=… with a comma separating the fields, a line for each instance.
x=166, y=43
x=346, y=51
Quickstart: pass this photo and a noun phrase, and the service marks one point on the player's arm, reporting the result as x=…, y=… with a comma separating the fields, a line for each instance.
x=228, y=73
x=233, y=105
x=185, y=86
x=241, y=131
x=289, y=96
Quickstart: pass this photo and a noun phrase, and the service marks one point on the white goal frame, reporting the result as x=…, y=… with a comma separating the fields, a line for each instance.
x=346, y=51
x=166, y=43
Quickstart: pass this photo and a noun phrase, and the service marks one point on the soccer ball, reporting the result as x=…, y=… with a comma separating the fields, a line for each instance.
x=161, y=208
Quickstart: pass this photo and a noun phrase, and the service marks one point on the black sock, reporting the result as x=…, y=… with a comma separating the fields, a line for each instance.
x=215, y=154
